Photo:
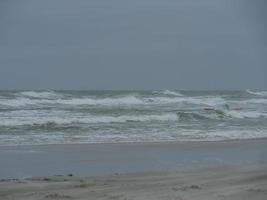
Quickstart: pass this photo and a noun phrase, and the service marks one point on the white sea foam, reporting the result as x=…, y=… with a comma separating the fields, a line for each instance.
x=254, y=101
x=262, y=93
x=22, y=101
x=157, y=136
x=127, y=100
x=220, y=114
x=54, y=118
x=233, y=135
x=208, y=101
x=205, y=101
x=40, y=95
x=245, y=114
x=172, y=93
x=115, y=101
x=88, y=117
x=64, y=118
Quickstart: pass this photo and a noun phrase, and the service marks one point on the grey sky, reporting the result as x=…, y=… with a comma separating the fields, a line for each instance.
x=133, y=44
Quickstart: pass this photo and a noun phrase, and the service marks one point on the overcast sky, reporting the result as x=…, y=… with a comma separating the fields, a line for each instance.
x=133, y=44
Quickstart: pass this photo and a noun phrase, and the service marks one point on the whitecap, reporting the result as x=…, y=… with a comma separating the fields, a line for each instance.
x=40, y=94
x=245, y=114
x=22, y=101
x=127, y=100
x=262, y=93
x=172, y=93
x=61, y=118
x=255, y=101
x=234, y=134
x=205, y=101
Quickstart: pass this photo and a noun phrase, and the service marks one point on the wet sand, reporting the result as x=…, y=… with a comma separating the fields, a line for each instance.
x=188, y=170
x=220, y=182
x=107, y=159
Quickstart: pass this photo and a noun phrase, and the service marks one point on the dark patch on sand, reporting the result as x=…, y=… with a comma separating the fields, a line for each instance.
x=57, y=196
x=186, y=188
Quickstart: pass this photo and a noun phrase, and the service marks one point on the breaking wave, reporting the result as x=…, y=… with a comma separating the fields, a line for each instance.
x=233, y=135
x=112, y=101
x=262, y=93
x=88, y=119
x=29, y=117
x=205, y=101
x=40, y=95
x=245, y=114
x=252, y=101
x=22, y=101
x=127, y=100
x=172, y=93
x=219, y=114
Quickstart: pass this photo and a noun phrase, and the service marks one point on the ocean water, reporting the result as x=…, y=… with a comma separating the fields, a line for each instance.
x=60, y=117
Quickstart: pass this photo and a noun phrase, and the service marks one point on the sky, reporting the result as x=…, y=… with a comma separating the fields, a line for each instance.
x=133, y=44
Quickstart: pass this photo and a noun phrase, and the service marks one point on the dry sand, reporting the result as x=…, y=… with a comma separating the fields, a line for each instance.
x=220, y=182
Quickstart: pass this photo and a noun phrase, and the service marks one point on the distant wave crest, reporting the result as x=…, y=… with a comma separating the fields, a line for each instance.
x=40, y=95
x=262, y=93
x=218, y=114
x=172, y=93
x=129, y=100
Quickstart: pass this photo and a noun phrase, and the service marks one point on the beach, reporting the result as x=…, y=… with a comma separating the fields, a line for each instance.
x=224, y=182
x=133, y=145
x=133, y=100
x=170, y=170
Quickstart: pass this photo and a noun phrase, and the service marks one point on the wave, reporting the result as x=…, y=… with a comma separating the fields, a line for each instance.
x=252, y=101
x=22, y=101
x=115, y=101
x=218, y=114
x=127, y=100
x=52, y=121
x=245, y=114
x=233, y=135
x=204, y=101
x=50, y=98
x=157, y=136
x=189, y=116
x=40, y=95
x=172, y=93
x=207, y=101
x=262, y=93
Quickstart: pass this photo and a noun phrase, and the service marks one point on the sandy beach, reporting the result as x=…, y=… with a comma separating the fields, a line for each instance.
x=186, y=170
x=221, y=182
x=133, y=100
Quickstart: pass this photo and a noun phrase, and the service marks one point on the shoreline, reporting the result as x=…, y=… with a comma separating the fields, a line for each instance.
x=221, y=170
x=87, y=160
x=239, y=182
x=139, y=142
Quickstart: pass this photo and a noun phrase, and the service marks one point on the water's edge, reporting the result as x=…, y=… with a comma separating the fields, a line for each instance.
x=108, y=159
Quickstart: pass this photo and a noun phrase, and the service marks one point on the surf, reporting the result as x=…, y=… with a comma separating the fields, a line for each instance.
x=262, y=93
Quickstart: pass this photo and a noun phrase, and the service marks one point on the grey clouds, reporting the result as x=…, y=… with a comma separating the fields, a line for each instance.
x=133, y=44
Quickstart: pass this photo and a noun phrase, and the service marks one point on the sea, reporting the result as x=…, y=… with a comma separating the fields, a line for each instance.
x=67, y=117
